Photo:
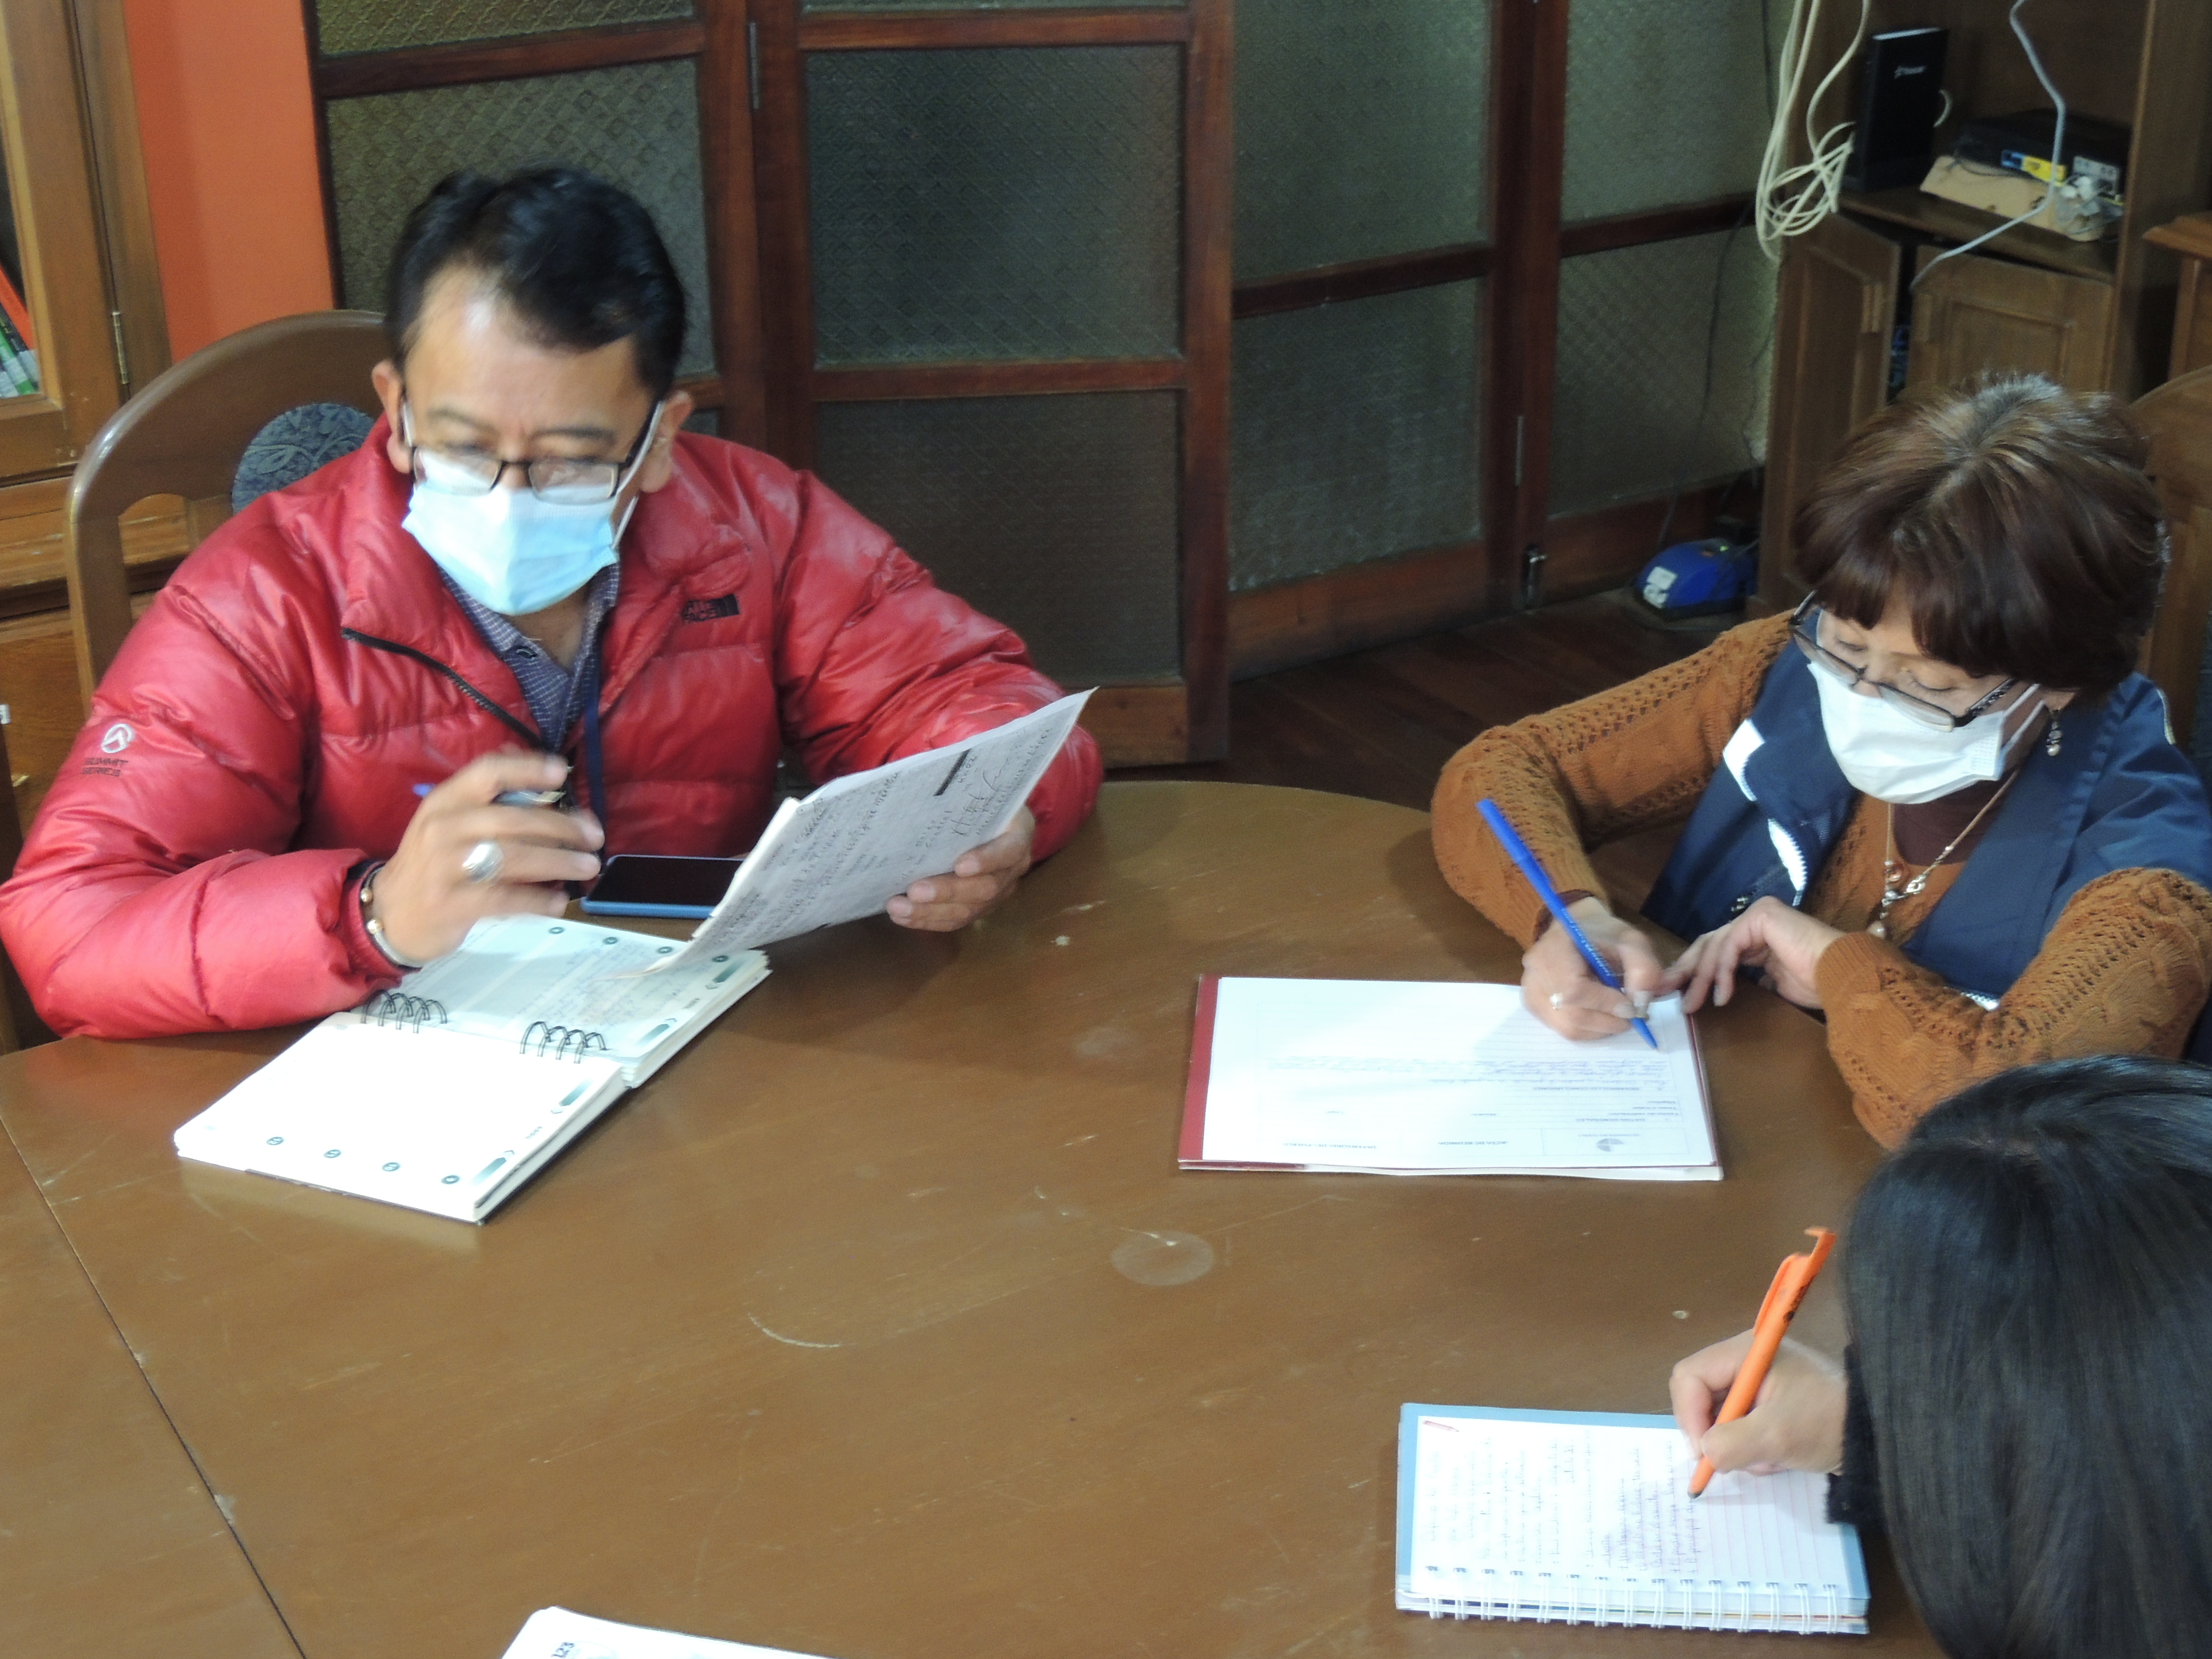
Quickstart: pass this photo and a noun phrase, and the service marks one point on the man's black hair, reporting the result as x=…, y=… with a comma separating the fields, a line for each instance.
x=2030, y=1286
x=577, y=260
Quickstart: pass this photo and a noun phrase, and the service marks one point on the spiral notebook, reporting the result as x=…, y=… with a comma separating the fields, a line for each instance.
x=449, y=1093
x=1587, y=1517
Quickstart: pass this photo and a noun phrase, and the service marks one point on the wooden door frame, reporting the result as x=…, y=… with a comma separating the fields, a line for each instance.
x=1147, y=723
x=714, y=41
x=1521, y=541
x=52, y=185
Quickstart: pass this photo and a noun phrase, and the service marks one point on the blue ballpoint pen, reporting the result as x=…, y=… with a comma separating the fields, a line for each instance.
x=1509, y=838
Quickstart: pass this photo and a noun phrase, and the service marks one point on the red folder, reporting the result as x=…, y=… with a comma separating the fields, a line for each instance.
x=1190, y=1154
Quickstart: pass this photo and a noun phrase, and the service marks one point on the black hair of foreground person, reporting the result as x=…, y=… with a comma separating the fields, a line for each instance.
x=578, y=261
x=2030, y=1288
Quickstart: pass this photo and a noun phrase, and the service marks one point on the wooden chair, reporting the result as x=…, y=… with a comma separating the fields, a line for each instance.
x=19, y=1024
x=2179, y=417
x=183, y=435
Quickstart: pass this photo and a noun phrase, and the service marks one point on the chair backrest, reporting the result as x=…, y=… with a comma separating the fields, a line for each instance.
x=183, y=435
x=2179, y=417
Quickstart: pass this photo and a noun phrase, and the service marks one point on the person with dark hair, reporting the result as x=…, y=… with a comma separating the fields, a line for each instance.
x=299, y=774
x=2028, y=1285
x=1936, y=802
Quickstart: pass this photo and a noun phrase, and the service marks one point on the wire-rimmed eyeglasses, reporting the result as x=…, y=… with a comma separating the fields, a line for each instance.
x=1804, y=631
x=560, y=480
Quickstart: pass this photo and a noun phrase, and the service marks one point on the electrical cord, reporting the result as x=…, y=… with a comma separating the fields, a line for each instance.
x=2053, y=187
x=1791, y=200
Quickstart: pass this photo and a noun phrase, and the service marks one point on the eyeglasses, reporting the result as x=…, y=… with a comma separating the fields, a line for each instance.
x=557, y=479
x=1804, y=632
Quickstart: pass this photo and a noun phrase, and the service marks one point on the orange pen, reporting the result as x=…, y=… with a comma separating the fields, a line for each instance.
x=1792, y=1280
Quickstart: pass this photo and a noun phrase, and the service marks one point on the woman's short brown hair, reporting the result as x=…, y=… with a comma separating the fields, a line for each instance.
x=2012, y=516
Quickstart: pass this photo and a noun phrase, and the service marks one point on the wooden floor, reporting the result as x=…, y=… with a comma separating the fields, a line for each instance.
x=1383, y=723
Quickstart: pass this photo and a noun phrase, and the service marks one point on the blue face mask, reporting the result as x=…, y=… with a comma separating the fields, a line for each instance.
x=509, y=550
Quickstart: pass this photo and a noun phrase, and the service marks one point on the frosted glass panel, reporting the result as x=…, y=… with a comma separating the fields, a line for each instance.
x=965, y=5
x=1353, y=432
x=637, y=126
x=1668, y=101
x=1056, y=515
x=1009, y=203
x=1362, y=129
x=1632, y=331
x=380, y=25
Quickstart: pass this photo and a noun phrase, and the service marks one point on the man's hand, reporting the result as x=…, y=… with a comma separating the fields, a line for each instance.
x=1787, y=944
x=1795, y=1423
x=1557, y=986
x=977, y=881
x=424, y=900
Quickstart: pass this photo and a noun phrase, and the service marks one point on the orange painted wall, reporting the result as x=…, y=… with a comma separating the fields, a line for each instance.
x=228, y=126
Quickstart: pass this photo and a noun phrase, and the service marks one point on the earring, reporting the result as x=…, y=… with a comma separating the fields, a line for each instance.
x=2051, y=738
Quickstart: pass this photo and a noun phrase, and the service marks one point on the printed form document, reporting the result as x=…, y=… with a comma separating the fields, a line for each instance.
x=1410, y=1078
x=853, y=843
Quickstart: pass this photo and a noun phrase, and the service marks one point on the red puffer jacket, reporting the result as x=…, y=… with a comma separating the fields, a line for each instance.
x=263, y=729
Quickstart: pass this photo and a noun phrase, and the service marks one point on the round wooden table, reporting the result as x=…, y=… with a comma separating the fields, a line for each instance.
x=881, y=1324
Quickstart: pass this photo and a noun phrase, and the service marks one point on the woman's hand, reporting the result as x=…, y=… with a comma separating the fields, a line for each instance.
x=1795, y=1423
x=1787, y=944
x=1557, y=986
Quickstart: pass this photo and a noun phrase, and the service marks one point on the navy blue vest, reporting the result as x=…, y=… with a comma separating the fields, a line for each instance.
x=2118, y=796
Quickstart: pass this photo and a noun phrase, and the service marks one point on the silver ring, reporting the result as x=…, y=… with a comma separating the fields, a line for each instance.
x=1557, y=998
x=484, y=863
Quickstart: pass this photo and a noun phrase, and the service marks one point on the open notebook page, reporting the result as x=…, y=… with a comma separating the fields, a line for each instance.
x=1410, y=1076
x=520, y=971
x=1529, y=1514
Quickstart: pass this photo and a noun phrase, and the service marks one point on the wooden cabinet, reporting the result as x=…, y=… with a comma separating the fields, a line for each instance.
x=1970, y=314
x=76, y=240
x=2093, y=316
x=1831, y=350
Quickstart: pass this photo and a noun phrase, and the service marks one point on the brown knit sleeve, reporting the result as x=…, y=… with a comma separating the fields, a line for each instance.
x=2124, y=971
x=1593, y=771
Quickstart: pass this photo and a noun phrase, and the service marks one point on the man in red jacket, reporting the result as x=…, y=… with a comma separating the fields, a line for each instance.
x=286, y=793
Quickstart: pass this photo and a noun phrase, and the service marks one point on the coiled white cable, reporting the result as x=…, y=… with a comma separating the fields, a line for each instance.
x=1789, y=201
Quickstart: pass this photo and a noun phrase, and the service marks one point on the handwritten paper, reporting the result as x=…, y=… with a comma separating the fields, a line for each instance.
x=1402, y=1076
x=1530, y=1517
x=842, y=852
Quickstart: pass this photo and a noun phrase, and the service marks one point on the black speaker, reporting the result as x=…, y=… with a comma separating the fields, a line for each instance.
x=1900, y=96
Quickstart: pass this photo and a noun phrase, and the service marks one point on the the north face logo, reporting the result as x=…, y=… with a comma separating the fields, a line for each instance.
x=116, y=739
x=710, y=610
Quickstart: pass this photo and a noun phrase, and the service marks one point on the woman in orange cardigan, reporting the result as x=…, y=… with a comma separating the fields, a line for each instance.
x=1935, y=803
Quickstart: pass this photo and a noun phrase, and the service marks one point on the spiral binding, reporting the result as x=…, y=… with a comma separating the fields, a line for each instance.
x=1708, y=1604
x=560, y=1042
x=397, y=1008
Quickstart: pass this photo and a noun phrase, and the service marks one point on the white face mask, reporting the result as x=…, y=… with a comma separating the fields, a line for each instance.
x=510, y=550
x=1886, y=753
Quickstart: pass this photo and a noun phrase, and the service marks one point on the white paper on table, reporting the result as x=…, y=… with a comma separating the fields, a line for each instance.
x=1405, y=1076
x=856, y=841
x=557, y=1634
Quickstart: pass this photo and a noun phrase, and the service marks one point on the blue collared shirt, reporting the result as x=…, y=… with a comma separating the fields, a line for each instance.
x=555, y=694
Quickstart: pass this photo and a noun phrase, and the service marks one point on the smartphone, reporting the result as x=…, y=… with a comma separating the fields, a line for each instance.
x=643, y=884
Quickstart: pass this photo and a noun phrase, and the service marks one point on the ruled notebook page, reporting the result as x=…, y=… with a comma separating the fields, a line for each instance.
x=1536, y=1518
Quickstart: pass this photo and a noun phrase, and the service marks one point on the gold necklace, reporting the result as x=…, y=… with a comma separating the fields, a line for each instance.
x=1893, y=874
